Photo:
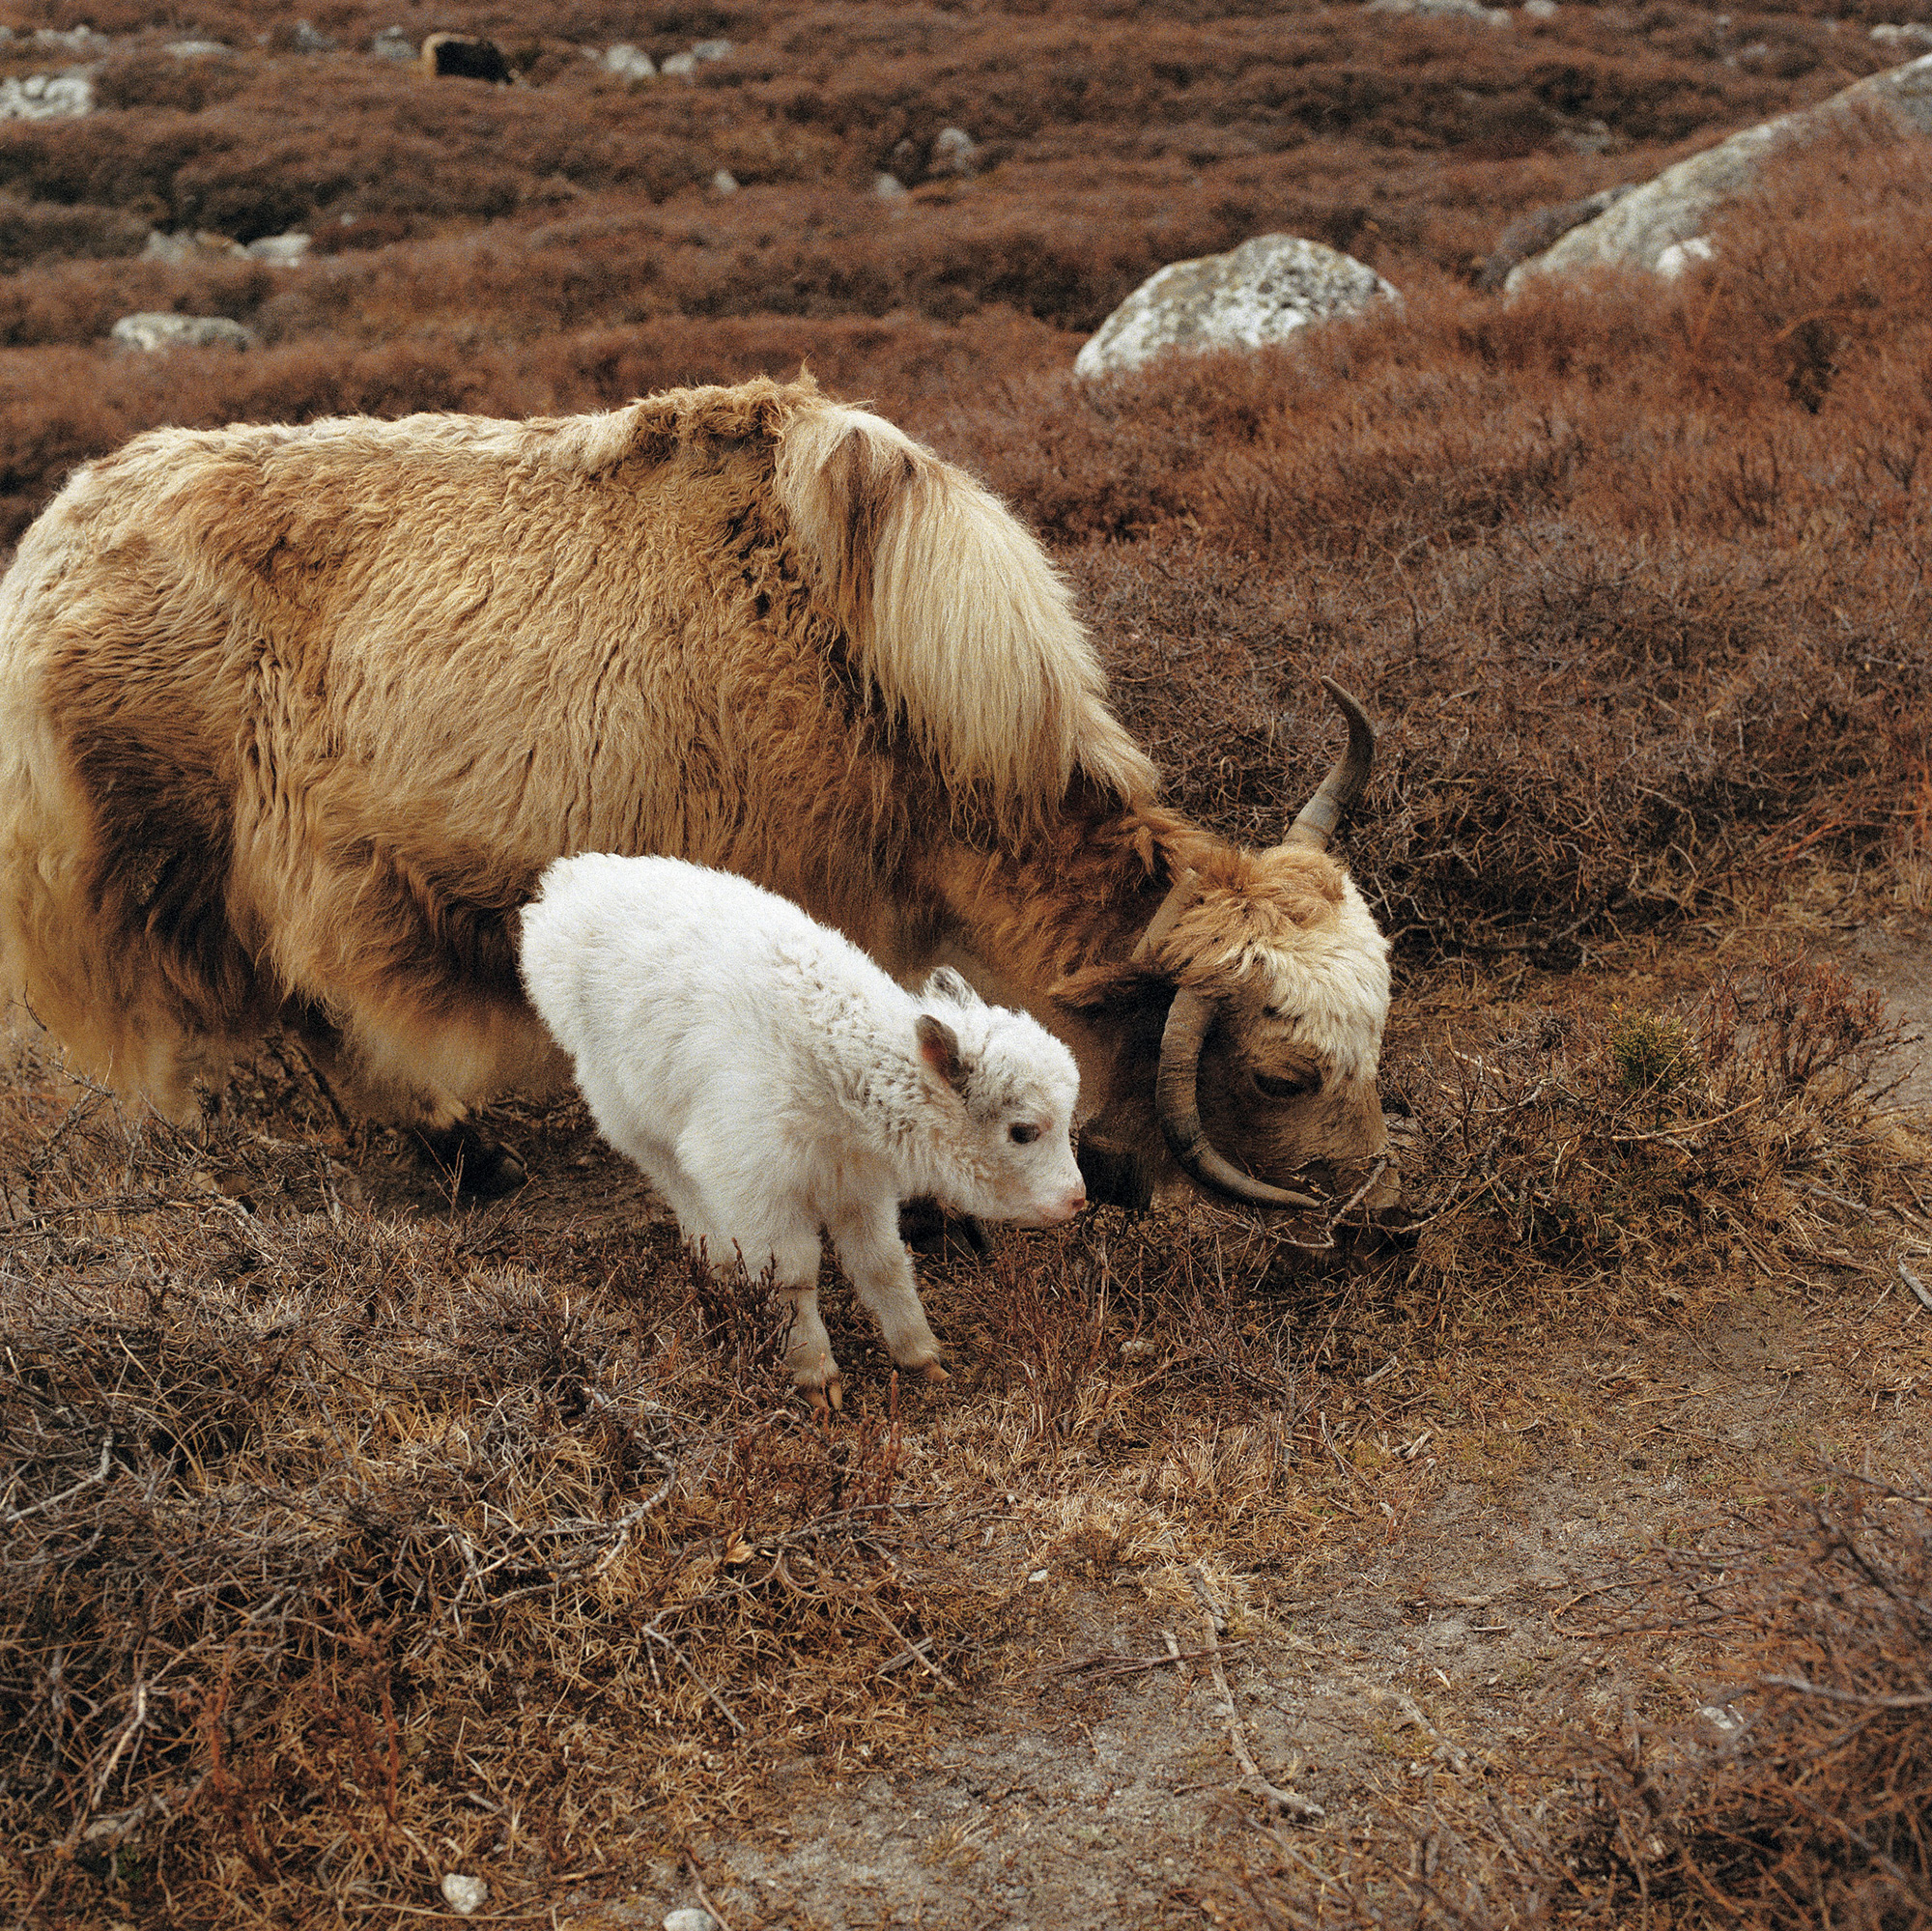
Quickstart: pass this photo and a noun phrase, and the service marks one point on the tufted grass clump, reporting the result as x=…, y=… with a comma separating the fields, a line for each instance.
x=1651, y=1053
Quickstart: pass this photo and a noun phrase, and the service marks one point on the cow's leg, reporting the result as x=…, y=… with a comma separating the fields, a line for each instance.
x=481, y=1165
x=444, y=1129
x=880, y=1269
x=928, y=1228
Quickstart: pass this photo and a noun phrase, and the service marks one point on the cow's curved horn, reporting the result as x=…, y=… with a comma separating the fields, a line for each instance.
x=1177, y=1105
x=1180, y=895
x=1315, y=821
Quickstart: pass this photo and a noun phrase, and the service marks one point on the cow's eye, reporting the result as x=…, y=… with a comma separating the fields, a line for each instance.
x=1024, y=1134
x=1270, y=1087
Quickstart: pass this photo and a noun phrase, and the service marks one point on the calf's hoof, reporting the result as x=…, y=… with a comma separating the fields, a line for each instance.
x=933, y=1374
x=482, y=1167
x=826, y=1398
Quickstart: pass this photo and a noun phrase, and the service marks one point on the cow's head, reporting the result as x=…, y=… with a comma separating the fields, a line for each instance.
x=1248, y=1023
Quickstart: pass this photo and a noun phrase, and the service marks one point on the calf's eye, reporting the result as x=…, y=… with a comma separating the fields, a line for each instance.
x=1024, y=1134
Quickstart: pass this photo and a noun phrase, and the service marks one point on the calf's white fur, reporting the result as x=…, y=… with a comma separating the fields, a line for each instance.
x=772, y=1080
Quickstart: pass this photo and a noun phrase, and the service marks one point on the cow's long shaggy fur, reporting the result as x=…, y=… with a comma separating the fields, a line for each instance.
x=295, y=717
x=292, y=720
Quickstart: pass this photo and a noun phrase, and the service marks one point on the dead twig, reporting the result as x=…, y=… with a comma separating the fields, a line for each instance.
x=1287, y=1802
x=1106, y=1667
x=1917, y=1285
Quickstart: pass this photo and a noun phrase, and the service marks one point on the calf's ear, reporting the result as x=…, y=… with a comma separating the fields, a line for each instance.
x=939, y=1048
x=943, y=983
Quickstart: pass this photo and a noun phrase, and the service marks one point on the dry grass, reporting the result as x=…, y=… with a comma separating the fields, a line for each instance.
x=350, y=1540
x=1797, y=1795
x=346, y=1548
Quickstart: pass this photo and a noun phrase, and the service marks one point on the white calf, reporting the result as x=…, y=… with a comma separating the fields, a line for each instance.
x=772, y=1080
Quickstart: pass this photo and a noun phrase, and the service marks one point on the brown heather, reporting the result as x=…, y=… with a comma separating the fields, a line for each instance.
x=349, y=1538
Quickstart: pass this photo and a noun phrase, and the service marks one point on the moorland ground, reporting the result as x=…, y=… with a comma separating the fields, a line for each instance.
x=1565, y=1542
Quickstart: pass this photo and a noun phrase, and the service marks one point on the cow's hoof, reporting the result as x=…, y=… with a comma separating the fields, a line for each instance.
x=928, y=1228
x=482, y=1167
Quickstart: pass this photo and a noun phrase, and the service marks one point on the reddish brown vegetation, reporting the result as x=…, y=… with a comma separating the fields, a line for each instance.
x=302, y=1498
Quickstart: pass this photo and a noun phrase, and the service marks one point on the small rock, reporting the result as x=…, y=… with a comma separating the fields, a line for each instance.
x=888, y=187
x=1720, y=1718
x=463, y=1894
x=46, y=97
x=146, y=333
x=200, y=246
x=1681, y=255
x=954, y=151
x=393, y=44
x=81, y=40
x=1593, y=137
x=1260, y=292
x=1444, y=9
x=690, y=1918
x=681, y=67
x=713, y=50
x=724, y=182
x=629, y=62
x=307, y=41
x=285, y=251
x=197, y=50
x=1538, y=10
x=1912, y=34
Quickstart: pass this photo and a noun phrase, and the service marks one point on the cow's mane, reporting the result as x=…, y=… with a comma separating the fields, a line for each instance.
x=963, y=625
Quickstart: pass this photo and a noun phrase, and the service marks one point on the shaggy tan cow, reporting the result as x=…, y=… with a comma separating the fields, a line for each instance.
x=291, y=720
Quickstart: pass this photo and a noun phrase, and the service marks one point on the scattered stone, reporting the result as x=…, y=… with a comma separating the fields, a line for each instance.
x=889, y=187
x=629, y=63
x=202, y=245
x=1677, y=204
x=307, y=41
x=724, y=183
x=690, y=1918
x=284, y=251
x=46, y=97
x=198, y=49
x=1444, y=9
x=1593, y=137
x=1681, y=255
x=680, y=66
x=954, y=151
x=149, y=331
x=81, y=40
x=1538, y=10
x=1260, y=292
x=1721, y=1719
x=713, y=50
x=1532, y=233
x=393, y=44
x=1912, y=34
x=464, y=57
x=463, y=1894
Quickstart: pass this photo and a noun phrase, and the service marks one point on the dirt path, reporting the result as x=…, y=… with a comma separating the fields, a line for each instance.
x=1436, y=1643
